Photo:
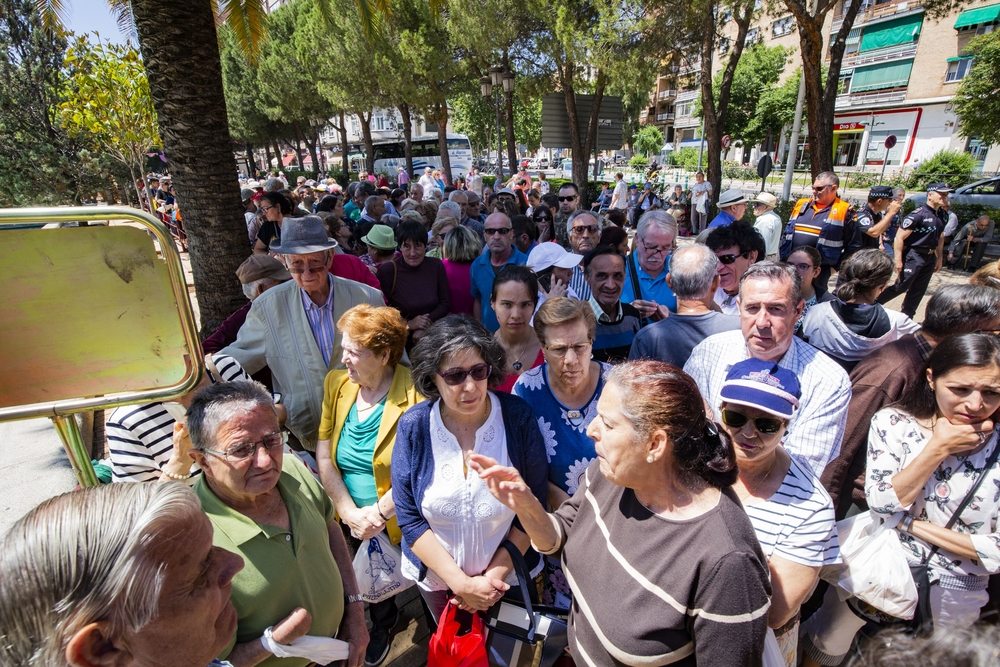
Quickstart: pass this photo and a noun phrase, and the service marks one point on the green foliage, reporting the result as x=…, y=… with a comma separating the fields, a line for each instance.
x=639, y=161
x=247, y=121
x=649, y=139
x=473, y=116
x=686, y=157
x=952, y=167
x=736, y=171
x=775, y=110
x=976, y=99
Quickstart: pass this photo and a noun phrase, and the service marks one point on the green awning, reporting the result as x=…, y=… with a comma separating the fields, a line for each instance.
x=978, y=16
x=883, y=75
x=905, y=30
x=957, y=58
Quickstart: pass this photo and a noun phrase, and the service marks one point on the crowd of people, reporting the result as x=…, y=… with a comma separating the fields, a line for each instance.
x=668, y=435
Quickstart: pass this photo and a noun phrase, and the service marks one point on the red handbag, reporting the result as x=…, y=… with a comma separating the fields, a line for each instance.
x=447, y=648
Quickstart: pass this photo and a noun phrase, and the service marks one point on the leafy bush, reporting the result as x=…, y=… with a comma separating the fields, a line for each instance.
x=860, y=180
x=953, y=167
x=638, y=161
x=686, y=157
x=736, y=171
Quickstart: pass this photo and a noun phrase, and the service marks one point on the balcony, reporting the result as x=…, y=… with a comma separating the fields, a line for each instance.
x=866, y=99
x=660, y=117
x=686, y=95
x=691, y=68
x=877, y=12
x=901, y=52
x=666, y=94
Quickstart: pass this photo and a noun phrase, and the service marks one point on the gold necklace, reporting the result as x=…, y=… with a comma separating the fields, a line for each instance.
x=763, y=479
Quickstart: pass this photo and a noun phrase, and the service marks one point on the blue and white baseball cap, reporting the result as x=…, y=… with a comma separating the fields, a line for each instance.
x=763, y=385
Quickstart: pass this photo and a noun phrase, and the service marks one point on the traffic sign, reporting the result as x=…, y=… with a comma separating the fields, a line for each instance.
x=726, y=141
x=764, y=166
x=890, y=141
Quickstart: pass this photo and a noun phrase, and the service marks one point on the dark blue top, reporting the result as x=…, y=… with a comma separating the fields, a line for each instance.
x=722, y=220
x=413, y=463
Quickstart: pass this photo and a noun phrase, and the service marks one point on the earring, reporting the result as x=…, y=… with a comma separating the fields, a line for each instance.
x=650, y=459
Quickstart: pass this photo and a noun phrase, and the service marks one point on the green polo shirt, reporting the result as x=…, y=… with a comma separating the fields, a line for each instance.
x=283, y=569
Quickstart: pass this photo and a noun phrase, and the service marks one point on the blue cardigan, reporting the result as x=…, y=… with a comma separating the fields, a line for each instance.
x=413, y=463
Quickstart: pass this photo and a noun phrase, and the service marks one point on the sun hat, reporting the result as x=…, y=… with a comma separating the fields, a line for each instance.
x=763, y=385
x=767, y=199
x=256, y=267
x=380, y=237
x=246, y=194
x=300, y=236
x=545, y=255
x=731, y=198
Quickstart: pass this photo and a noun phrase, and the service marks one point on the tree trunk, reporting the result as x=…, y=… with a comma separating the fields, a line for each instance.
x=312, y=140
x=278, y=156
x=442, y=123
x=344, y=147
x=196, y=141
x=366, y=132
x=564, y=72
x=404, y=113
x=297, y=146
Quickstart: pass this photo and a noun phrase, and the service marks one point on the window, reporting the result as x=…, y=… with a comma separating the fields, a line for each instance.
x=723, y=46
x=905, y=30
x=985, y=29
x=378, y=123
x=958, y=68
x=783, y=26
x=845, y=82
x=752, y=35
x=684, y=109
x=884, y=75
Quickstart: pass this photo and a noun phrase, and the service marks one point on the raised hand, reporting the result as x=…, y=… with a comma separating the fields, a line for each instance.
x=505, y=483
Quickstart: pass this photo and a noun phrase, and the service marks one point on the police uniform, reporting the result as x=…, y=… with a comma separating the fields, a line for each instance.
x=919, y=257
x=867, y=218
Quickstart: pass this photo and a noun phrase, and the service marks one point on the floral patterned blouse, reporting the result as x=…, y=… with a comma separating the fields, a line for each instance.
x=895, y=439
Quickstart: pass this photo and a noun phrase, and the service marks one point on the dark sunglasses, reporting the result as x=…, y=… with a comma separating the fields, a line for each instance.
x=765, y=425
x=502, y=231
x=570, y=198
x=457, y=376
x=729, y=259
x=585, y=229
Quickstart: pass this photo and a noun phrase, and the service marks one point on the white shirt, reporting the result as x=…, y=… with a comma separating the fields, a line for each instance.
x=769, y=225
x=543, y=187
x=816, y=430
x=619, y=197
x=475, y=183
x=427, y=182
x=727, y=304
x=952, y=225
x=459, y=508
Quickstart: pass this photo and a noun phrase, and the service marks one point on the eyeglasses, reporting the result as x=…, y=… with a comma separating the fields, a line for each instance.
x=585, y=229
x=729, y=259
x=652, y=250
x=306, y=269
x=245, y=450
x=570, y=198
x=456, y=376
x=579, y=349
x=502, y=231
x=266, y=208
x=765, y=425
x=822, y=187
x=804, y=267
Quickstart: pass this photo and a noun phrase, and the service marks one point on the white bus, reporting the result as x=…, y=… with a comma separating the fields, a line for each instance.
x=389, y=155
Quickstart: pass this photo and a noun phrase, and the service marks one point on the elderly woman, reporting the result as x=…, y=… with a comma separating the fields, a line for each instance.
x=259, y=503
x=926, y=454
x=429, y=209
x=514, y=297
x=453, y=528
x=791, y=513
x=442, y=225
x=563, y=391
x=656, y=528
x=461, y=247
x=381, y=243
x=361, y=406
x=413, y=284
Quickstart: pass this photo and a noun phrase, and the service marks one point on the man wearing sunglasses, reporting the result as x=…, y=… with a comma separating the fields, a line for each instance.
x=569, y=202
x=825, y=222
x=737, y=246
x=291, y=328
x=770, y=303
x=500, y=242
x=584, y=230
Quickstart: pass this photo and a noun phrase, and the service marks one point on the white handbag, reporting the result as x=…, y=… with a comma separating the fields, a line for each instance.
x=875, y=568
x=378, y=569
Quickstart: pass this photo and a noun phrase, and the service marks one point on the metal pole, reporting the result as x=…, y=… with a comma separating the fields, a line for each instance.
x=701, y=146
x=885, y=159
x=496, y=106
x=79, y=458
x=793, y=144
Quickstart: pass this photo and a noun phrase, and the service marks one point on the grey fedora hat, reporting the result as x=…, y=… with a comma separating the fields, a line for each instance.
x=300, y=236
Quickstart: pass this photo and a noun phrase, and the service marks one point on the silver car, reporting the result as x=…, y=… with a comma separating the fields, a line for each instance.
x=983, y=193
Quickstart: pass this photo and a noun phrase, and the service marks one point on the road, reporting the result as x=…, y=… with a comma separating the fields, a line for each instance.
x=34, y=468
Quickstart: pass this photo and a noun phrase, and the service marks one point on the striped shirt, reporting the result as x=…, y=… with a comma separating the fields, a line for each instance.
x=654, y=591
x=141, y=437
x=579, y=284
x=797, y=522
x=321, y=321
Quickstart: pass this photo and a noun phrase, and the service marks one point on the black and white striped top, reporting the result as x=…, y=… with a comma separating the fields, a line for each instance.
x=652, y=591
x=141, y=437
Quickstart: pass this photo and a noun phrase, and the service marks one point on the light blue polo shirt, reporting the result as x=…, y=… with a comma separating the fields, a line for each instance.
x=482, y=274
x=652, y=289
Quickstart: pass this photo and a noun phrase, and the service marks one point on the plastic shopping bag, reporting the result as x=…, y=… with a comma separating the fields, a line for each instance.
x=447, y=648
x=772, y=652
x=322, y=650
x=377, y=567
x=875, y=568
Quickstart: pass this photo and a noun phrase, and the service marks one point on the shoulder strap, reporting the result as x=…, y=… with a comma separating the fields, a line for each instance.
x=395, y=273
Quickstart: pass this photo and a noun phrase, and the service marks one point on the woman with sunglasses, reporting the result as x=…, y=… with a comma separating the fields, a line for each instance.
x=542, y=215
x=806, y=261
x=790, y=512
x=452, y=526
x=925, y=456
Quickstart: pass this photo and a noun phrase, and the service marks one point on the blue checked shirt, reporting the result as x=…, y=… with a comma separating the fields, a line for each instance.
x=815, y=432
x=321, y=322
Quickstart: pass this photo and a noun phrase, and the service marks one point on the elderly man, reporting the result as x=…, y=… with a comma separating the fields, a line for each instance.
x=737, y=247
x=617, y=322
x=619, y=196
x=881, y=379
x=701, y=197
x=646, y=285
x=569, y=203
x=259, y=502
x=584, y=231
x=768, y=224
x=693, y=278
x=475, y=181
x=500, y=243
x=373, y=211
x=461, y=197
x=732, y=207
x=824, y=222
x=919, y=250
x=769, y=306
x=291, y=328
x=427, y=180
x=257, y=274
x=474, y=208
x=976, y=234
x=417, y=192
x=403, y=179
x=123, y=574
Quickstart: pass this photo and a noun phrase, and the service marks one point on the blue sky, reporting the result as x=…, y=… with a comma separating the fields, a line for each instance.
x=93, y=15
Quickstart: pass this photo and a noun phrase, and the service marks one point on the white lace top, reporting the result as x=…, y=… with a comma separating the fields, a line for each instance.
x=464, y=516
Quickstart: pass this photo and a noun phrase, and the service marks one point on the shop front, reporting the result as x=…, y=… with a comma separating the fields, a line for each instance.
x=859, y=139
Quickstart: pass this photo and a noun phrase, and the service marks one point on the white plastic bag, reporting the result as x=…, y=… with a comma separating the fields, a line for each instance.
x=772, y=652
x=875, y=568
x=321, y=650
x=378, y=569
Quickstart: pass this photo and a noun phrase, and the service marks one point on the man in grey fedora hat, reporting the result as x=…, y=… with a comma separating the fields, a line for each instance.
x=291, y=328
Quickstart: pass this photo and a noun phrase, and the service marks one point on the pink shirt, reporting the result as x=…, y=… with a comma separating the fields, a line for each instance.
x=460, y=285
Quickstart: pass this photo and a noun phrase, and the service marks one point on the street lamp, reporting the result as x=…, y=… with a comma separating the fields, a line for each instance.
x=492, y=87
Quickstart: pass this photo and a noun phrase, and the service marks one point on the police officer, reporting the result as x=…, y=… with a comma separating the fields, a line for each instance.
x=825, y=222
x=876, y=216
x=919, y=249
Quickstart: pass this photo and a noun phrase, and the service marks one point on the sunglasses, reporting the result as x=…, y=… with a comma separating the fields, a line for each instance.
x=765, y=425
x=456, y=376
x=306, y=269
x=502, y=231
x=570, y=198
x=822, y=187
x=587, y=229
x=729, y=259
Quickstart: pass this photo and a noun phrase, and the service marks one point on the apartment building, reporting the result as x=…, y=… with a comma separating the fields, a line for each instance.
x=900, y=73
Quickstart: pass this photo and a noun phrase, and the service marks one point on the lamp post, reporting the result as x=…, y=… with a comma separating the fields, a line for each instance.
x=493, y=87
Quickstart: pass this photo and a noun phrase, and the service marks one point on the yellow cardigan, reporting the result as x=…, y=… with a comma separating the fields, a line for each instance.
x=339, y=396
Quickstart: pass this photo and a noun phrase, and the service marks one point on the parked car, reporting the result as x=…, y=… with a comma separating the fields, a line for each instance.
x=983, y=193
x=543, y=163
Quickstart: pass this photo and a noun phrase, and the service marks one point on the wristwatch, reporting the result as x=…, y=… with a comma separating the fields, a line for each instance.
x=355, y=598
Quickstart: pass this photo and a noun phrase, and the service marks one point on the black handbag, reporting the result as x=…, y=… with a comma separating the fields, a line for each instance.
x=520, y=632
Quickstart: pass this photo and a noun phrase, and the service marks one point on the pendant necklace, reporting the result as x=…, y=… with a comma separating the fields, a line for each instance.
x=517, y=365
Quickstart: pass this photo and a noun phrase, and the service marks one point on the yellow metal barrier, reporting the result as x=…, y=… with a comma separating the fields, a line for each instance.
x=91, y=319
